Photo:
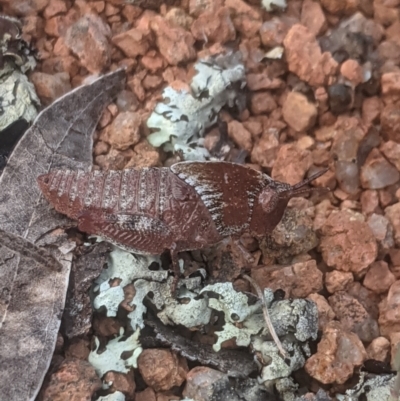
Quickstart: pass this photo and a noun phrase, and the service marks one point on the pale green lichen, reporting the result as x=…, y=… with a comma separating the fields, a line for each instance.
x=18, y=99
x=110, y=358
x=110, y=298
x=275, y=367
x=116, y=396
x=235, y=307
x=242, y=335
x=194, y=312
x=126, y=267
x=129, y=267
x=298, y=317
x=234, y=304
x=287, y=388
x=271, y=5
x=377, y=388
x=275, y=53
x=295, y=321
x=181, y=120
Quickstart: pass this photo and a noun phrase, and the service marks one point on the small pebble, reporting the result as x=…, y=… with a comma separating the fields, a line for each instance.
x=340, y=98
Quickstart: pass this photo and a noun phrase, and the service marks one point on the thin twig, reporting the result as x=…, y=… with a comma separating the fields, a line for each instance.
x=266, y=314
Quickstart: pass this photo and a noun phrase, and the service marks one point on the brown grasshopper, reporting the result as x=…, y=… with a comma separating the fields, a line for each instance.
x=188, y=206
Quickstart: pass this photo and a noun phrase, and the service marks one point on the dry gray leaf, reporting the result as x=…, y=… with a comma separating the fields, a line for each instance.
x=77, y=317
x=31, y=296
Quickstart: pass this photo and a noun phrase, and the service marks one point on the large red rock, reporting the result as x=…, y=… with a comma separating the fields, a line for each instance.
x=173, y=42
x=342, y=245
x=161, y=369
x=305, y=59
x=214, y=26
x=298, y=112
x=339, y=353
x=292, y=163
x=74, y=380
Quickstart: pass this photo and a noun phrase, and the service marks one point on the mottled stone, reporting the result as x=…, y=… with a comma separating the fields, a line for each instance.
x=389, y=311
x=353, y=316
x=340, y=98
x=214, y=26
x=382, y=230
x=145, y=155
x=178, y=16
x=390, y=122
x=114, y=159
x=153, y=61
x=262, y=102
x=78, y=348
x=369, y=201
x=146, y=395
x=260, y=81
x=161, y=369
x=379, y=349
x=305, y=58
x=26, y=7
x=325, y=312
x=239, y=134
x=339, y=353
x=127, y=101
x=273, y=32
x=377, y=172
x=368, y=299
x=199, y=383
x=74, y=380
x=393, y=214
x=313, y=17
x=246, y=19
x=123, y=382
x=379, y=278
x=174, y=43
x=266, y=149
x=130, y=12
x=394, y=348
x=123, y=132
x=133, y=43
x=342, y=246
x=50, y=87
x=152, y=81
x=337, y=280
x=104, y=326
x=88, y=38
x=391, y=150
x=292, y=164
x=58, y=25
x=297, y=280
x=352, y=71
x=340, y=7
x=101, y=148
x=54, y=7
x=371, y=109
x=391, y=85
x=298, y=112
x=68, y=64
x=386, y=13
